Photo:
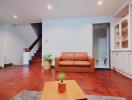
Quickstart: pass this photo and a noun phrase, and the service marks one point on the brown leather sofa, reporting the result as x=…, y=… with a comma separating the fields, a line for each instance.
x=74, y=62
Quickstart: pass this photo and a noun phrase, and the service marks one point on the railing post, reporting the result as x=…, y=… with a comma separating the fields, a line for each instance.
x=26, y=58
x=2, y=62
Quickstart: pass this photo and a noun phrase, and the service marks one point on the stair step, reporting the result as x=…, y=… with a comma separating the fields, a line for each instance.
x=35, y=61
x=38, y=54
x=36, y=57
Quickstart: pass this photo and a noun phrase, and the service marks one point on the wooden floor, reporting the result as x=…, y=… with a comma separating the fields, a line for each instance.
x=102, y=82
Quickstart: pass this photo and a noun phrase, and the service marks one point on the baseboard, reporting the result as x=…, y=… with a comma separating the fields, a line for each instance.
x=102, y=68
x=9, y=64
x=125, y=74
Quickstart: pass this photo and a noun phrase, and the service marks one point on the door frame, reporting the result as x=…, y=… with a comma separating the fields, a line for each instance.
x=108, y=44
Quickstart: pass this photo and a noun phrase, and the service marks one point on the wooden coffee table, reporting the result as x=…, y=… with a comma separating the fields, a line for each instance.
x=73, y=91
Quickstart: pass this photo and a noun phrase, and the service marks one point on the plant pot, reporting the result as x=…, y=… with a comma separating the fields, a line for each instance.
x=61, y=87
x=47, y=64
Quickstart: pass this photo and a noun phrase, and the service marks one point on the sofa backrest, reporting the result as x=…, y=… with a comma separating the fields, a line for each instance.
x=67, y=56
x=80, y=56
x=76, y=56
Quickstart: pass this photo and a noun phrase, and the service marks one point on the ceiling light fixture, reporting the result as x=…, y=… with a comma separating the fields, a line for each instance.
x=15, y=16
x=49, y=7
x=100, y=2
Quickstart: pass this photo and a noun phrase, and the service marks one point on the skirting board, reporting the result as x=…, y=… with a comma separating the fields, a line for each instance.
x=125, y=74
x=10, y=64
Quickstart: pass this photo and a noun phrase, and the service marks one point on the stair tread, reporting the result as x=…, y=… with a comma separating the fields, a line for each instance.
x=37, y=58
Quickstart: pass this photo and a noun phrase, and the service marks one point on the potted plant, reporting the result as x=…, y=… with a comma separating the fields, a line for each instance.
x=47, y=60
x=61, y=84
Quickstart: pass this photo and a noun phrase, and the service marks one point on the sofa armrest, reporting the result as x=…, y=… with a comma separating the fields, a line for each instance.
x=92, y=61
x=57, y=59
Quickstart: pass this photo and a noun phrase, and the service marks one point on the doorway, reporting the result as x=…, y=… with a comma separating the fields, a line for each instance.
x=101, y=45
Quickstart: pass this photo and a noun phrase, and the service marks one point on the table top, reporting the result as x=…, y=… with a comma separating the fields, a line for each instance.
x=73, y=91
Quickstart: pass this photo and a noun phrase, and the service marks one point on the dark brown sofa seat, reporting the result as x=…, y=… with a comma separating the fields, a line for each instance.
x=74, y=62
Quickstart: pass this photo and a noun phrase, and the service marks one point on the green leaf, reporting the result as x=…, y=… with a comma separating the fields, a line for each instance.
x=48, y=57
x=61, y=76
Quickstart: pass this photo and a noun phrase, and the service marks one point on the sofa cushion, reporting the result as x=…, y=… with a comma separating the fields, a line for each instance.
x=81, y=63
x=67, y=56
x=66, y=63
x=80, y=56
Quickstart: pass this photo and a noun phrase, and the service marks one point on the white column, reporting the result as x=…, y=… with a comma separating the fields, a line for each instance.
x=26, y=58
x=1, y=61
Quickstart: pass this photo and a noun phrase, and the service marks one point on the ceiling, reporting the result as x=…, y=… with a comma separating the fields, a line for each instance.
x=33, y=11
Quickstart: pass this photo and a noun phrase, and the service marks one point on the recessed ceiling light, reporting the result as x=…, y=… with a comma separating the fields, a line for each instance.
x=100, y=2
x=15, y=16
x=49, y=7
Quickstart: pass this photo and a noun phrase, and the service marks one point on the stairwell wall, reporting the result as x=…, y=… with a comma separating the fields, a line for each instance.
x=13, y=38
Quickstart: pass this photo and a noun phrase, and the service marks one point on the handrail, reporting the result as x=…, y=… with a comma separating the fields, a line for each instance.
x=32, y=45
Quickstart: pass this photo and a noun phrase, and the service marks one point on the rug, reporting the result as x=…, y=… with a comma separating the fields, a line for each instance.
x=27, y=95
x=95, y=97
x=35, y=95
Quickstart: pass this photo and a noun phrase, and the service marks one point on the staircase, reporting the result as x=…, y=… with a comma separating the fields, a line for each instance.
x=37, y=58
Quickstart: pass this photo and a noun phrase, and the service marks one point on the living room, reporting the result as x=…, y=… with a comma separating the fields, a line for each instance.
x=66, y=50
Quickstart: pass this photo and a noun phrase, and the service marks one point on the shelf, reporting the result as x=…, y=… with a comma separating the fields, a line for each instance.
x=117, y=43
x=121, y=50
x=125, y=44
x=124, y=24
x=121, y=29
x=121, y=34
x=126, y=40
x=124, y=34
x=124, y=29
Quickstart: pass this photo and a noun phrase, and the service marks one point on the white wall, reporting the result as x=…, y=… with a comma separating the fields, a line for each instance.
x=13, y=38
x=1, y=45
x=70, y=34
